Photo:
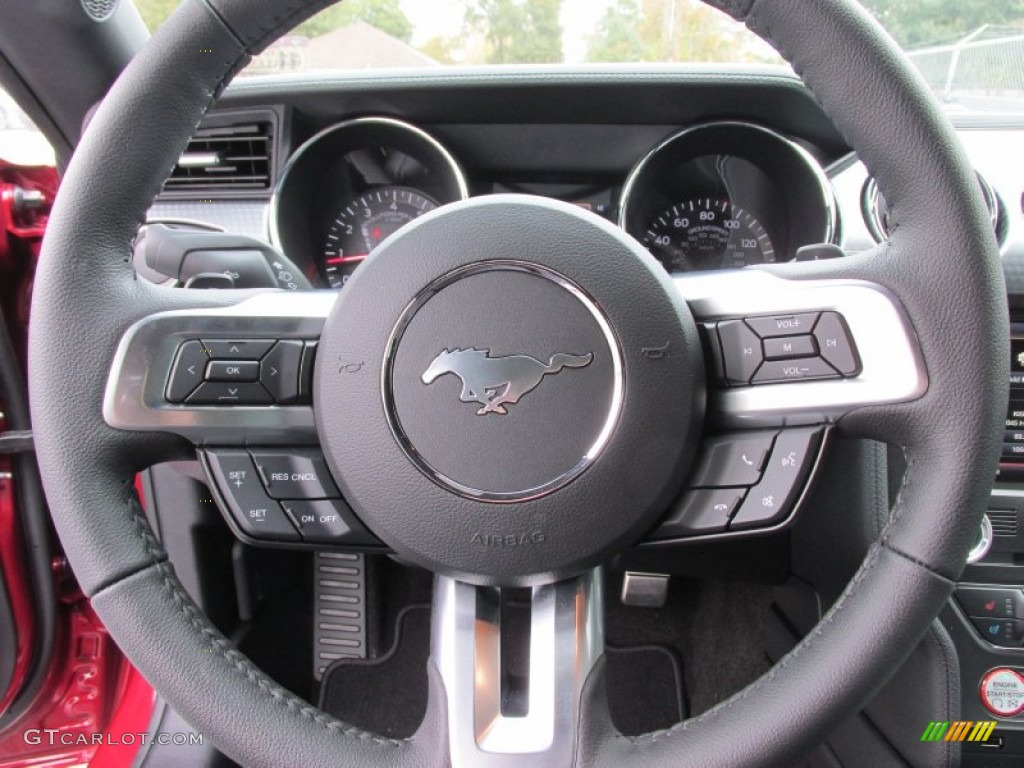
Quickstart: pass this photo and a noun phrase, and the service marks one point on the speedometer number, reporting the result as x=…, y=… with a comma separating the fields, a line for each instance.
x=708, y=233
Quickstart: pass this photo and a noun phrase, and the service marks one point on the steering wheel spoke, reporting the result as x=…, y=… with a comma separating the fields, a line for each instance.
x=801, y=351
x=787, y=360
x=225, y=376
x=506, y=708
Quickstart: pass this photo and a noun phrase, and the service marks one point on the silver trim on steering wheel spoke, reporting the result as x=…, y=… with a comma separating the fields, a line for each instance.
x=134, y=398
x=565, y=641
x=892, y=368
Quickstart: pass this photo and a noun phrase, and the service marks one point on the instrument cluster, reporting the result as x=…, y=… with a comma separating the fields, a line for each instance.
x=720, y=195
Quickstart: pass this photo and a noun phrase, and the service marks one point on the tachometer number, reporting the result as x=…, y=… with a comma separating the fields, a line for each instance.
x=366, y=222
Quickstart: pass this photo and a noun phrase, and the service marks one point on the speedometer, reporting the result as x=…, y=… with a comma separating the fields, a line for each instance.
x=364, y=223
x=708, y=233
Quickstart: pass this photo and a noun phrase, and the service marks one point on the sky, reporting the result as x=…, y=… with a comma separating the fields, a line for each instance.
x=444, y=18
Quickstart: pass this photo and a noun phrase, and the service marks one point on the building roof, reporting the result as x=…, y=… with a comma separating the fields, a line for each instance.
x=362, y=46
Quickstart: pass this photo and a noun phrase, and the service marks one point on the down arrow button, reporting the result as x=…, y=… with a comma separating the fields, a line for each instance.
x=279, y=371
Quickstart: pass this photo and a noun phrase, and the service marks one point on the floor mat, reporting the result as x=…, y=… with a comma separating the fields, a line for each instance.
x=386, y=695
x=645, y=688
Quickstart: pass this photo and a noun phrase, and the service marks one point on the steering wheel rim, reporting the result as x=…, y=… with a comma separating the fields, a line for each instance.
x=941, y=261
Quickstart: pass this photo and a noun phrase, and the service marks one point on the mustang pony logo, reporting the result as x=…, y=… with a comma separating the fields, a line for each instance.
x=495, y=382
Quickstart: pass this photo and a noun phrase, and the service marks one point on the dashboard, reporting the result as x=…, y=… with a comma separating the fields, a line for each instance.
x=707, y=170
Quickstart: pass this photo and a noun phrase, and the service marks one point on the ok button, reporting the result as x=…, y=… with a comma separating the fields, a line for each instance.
x=233, y=370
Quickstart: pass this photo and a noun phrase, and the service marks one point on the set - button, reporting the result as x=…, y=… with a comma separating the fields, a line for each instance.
x=285, y=496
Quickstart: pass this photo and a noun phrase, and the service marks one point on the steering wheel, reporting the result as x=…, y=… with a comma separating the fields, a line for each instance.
x=578, y=465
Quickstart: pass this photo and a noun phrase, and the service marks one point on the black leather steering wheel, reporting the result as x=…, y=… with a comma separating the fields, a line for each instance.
x=938, y=280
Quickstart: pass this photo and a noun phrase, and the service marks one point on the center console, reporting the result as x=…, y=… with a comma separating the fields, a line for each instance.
x=986, y=617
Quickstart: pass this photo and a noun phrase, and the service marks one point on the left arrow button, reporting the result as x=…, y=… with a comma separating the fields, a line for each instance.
x=187, y=371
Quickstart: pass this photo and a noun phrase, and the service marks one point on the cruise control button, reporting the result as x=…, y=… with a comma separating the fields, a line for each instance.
x=835, y=345
x=730, y=461
x=772, y=500
x=783, y=325
x=1002, y=692
x=295, y=474
x=256, y=514
x=778, y=371
x=328, y=522
x=187, y=371
x=279, y=371
x=1006, y=633
x=237, y=370
x=741, y=351
x=243, y=349
x=226, y=393
x=700, y=512
x=789, y=347
x=991, y=602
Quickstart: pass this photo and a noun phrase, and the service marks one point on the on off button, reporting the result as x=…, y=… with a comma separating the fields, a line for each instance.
x=1002, y=692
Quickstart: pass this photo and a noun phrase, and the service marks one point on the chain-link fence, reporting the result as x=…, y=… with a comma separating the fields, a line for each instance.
x=986, y=66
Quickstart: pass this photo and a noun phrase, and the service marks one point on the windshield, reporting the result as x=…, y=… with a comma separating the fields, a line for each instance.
x=970, y=51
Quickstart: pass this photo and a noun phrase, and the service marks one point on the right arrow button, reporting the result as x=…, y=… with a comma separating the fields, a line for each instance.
x=279, y=371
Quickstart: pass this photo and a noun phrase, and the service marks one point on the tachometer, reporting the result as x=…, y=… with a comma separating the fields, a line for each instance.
x=708, y=233
x=364, y=223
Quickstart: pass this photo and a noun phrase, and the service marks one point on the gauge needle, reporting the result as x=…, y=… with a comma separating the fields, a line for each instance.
x=347, y=259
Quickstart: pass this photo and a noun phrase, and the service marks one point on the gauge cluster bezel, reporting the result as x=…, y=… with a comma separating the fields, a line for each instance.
x=771, y=177
x=324, y=175
x=785, y=188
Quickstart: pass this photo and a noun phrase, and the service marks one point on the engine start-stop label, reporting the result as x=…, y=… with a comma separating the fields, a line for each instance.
x=1002, y=692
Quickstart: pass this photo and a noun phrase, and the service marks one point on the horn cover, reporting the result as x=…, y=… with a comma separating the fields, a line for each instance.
x=509, y=390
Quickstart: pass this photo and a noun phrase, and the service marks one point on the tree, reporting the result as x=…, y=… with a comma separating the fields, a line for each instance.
x=518, y=31
x=385, y=15
x=446, y=50
x=155, y=12
x=939, y=21
x=617, y=37
x=671, y=30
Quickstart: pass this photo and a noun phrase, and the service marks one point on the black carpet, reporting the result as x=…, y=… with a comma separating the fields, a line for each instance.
x=386, y=695
x=645, y=688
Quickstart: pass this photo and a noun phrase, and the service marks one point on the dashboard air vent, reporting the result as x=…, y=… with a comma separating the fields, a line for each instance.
x=234, y=157
x=1004, y=522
